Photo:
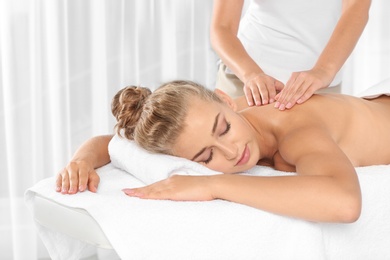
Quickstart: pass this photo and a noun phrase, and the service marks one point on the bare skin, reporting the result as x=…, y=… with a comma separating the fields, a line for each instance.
x=322, y=140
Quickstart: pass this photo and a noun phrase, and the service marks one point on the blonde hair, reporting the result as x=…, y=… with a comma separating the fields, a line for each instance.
x=155, y=120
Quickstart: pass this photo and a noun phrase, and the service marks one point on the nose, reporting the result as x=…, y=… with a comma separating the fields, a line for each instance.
x=230, y=151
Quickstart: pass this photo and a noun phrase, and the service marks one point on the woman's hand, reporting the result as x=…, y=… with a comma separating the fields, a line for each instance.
x=77, y=176
x=176, y=187
x=261, y=89
x=300, y=87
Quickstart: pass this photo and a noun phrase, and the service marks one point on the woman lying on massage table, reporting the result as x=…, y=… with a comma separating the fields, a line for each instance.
x=322, y=140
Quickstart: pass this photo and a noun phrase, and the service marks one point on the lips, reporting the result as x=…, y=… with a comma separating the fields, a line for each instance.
x=244, y=157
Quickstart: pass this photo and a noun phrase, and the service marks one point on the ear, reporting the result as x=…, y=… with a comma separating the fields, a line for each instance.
x=226, y=98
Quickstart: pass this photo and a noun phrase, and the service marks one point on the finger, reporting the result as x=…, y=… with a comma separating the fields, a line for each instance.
x=281, y=99
x=73, y=171
x=133, y=193
x=260, y=94
x=286, y=99
x=248, y=95
x=59, y=182
x=93, y=182
x=83, y=178
x=305, y=97
x=302, y=93
x=65, y=182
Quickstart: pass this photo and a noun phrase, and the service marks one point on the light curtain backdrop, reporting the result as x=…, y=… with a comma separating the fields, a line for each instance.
x=61, y=62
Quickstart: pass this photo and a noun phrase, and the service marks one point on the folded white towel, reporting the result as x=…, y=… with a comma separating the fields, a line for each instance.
x=149, y=167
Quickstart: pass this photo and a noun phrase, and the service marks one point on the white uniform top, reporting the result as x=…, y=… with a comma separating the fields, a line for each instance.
x=284, y=36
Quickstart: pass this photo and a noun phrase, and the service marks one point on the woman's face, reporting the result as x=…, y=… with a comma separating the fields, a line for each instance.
x=218, y=137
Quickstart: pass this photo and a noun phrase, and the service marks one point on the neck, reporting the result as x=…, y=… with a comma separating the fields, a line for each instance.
x=266, y=139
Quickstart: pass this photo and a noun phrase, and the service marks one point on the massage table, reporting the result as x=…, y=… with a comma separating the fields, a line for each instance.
x=158, y=229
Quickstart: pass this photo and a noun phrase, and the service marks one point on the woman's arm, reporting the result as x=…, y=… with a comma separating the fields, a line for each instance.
x=259, y=88
x=80, y=172
x=345, y=36
x=326, y=188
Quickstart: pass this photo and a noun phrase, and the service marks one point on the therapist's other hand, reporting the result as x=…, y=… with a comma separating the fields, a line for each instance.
x=77, y=176
x=176, y=187
x=300, y=87
x=261, y=89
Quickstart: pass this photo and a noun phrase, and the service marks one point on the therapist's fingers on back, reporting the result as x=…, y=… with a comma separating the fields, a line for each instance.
x=260, y=94
x=307, y=94
x=296, y=92
x=256, y=93
x=268, y=88
x=290, y=94
x=248, y=95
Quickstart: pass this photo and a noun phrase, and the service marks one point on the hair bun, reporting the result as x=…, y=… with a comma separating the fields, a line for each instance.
x=127, y=106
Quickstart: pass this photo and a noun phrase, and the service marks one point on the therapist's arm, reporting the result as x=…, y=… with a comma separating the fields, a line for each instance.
x=259, y=88
x=80, y=173
x=302, y=85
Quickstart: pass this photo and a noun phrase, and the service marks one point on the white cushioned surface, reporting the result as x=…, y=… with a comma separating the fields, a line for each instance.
x=149, y=229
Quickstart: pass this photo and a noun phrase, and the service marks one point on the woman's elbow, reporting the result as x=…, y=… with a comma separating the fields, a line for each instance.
x=350, y=209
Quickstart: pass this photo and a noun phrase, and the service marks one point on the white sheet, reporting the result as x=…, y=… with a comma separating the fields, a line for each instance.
x=148, y=229
x=382, y=88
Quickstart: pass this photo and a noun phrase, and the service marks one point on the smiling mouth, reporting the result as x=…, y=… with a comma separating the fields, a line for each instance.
x=244, y=157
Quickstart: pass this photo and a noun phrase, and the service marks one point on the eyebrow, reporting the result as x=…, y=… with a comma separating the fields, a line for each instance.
x=212, y=133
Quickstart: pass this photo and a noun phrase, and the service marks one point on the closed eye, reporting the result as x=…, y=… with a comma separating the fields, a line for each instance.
x=227, y=129
x=210, y=157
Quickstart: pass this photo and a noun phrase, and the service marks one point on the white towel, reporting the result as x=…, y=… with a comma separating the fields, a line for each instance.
x=153, y=229
x=149, y=167
x=382, y=88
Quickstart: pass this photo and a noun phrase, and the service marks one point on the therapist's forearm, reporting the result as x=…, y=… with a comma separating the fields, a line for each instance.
x=345, y=36
x=223, y=36
x=94, y=151
x=233, y=54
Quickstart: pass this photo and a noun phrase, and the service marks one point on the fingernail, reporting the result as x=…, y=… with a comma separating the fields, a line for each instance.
x=289, y=105
x=271, y=100
x=282, y=107
x=128, y=191
x=71, y=190
x=81, y=188
x=58, y=188
x=277, y=104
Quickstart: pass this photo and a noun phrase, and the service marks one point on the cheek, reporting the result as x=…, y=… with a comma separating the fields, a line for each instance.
x=220, y=164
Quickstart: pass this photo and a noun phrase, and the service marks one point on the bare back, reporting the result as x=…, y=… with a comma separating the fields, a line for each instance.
x=361, y=128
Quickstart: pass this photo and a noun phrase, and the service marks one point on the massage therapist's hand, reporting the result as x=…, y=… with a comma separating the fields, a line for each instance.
x=300, y=87
x=77, y=176
x=261, y=89
x=176, y=187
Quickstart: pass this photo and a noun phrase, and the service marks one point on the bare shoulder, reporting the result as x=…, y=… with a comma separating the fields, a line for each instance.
x=313, y=151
